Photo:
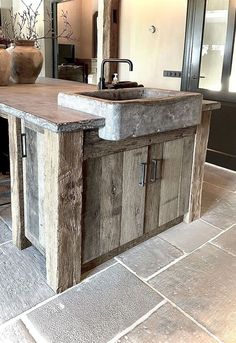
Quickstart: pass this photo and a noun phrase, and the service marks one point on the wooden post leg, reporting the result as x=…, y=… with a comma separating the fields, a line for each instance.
x=63, y=207
x=199, y=158
x=16, y=172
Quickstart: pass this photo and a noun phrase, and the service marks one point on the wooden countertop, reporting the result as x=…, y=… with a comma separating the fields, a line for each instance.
x=37, y=103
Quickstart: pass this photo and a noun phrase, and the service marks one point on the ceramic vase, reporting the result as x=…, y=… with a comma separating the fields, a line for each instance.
x=27, y=61
x=5, y=66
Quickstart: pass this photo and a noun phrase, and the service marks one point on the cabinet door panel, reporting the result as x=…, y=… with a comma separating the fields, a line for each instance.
x=102, y=205
x=171, y=179
x=133, y=200
x=33, y=188
x=153, y=188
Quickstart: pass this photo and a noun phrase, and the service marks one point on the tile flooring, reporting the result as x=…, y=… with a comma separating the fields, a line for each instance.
x=177, y=287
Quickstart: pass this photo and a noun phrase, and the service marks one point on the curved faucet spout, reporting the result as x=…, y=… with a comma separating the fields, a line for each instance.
x=101, y=84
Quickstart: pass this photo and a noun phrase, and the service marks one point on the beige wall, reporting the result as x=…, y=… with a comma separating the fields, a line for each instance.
x=152, y=53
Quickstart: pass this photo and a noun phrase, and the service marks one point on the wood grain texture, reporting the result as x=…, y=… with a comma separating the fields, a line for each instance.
x=94, y=146
x=199, y=158
x=186, y=174
x=91, y=209
x=111, y=202
x=153, y=188
x=111, y=35
x=17, y=196
x=102, y=205
x=63, y=208
x=171, y=178
x=133, y=199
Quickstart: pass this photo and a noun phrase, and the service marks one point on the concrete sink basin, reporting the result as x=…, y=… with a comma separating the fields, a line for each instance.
x=134, y=112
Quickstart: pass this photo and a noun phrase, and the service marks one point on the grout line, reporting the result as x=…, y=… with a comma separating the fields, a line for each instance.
x=173, y=304
x=38, y=338
x=219, y=167
x=138, y=322
x=6, y=243
x=166, y=267
x=19, y=316
x=216, y=227
x=226, y=251
x=225, y=189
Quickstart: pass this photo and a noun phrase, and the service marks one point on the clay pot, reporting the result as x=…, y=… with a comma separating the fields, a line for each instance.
x=27, y=61
x=5, y=66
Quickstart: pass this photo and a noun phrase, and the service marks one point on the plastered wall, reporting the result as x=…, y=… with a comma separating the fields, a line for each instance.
x=152, y=53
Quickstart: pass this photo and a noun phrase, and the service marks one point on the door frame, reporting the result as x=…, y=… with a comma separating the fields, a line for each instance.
x=192, y=51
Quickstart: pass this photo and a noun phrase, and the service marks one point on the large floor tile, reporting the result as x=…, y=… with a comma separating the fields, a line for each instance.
x=204, y=285
x=218, y=208
x=5, y=233
x=96, y=310
x=227, y=240
x=16, y=332
x=220, y=177
x=167, y=325
x=23, y=283
x=189, y=237
x=5, y=215
x=148, y=257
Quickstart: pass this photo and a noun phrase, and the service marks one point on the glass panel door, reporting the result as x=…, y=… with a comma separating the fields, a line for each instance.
x=213, y=47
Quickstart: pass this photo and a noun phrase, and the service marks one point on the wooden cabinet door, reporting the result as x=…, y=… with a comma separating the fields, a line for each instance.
x=113, y=206
x=176, y=178
x=33, y=166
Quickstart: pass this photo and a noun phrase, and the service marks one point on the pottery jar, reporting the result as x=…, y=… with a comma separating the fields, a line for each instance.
x=5, y=66
x=27, y=61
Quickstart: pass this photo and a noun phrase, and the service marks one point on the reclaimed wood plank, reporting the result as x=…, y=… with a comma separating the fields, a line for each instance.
x=91, y=209
x=170, y=183
x=153, y=188
x=94, y=146
x=111, y=35
x=200, y=149
x=186, y=174
x=63, y=208
x=16, y=171
x=111, y=202
x=133, y=199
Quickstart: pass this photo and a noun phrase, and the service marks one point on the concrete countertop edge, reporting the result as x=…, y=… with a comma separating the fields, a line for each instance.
x=85, y=124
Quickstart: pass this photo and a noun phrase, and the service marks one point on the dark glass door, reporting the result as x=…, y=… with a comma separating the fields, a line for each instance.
x=210, y=68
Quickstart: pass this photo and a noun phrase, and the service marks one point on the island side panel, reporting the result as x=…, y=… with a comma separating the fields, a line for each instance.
x=199, y=158
x=63, y=208
x=16, y=171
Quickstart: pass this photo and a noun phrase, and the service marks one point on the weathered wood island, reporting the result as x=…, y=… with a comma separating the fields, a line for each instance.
x=81, y=199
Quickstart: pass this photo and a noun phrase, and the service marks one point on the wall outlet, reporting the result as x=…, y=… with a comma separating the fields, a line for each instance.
x=172, y=73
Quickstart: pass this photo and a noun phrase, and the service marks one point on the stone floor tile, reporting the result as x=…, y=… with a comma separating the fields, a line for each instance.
x=227, y=240
x=220, y=177
x=189, y=237
x=224, y=214
x=16, y=332
x=98, y=268
x=5, y=233
x=96, y=310
x=5, y=215
x=167, y=325
x=203, y=284
x=150, y=256
x=211, y=196
x=23, y=284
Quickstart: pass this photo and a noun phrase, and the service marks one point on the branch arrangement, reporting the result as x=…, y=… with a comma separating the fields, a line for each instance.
x=22, y=26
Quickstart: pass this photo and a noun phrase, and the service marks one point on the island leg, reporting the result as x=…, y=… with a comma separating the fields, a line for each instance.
x=63, y=207
x=17, y=194
x=201, y=141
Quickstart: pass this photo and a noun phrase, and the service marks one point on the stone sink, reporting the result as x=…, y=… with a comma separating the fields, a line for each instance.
x=134, y=112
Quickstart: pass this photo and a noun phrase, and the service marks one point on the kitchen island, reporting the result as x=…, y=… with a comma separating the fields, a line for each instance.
x=81, y=199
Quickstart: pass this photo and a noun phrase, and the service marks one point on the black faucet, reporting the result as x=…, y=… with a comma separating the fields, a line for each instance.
x=101, y=84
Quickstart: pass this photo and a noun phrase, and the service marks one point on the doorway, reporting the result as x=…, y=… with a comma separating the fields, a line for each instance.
x=210, y=68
